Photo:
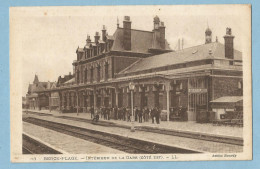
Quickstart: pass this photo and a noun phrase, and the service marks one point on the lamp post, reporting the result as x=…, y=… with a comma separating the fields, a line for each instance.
x=77, y=103
x=131, y=88
x=33, y=103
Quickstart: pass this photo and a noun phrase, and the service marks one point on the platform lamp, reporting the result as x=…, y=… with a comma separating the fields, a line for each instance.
x=34, y=104
x=77, y=103
x=132, y=88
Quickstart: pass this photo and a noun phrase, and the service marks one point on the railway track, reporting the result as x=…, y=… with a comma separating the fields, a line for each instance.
x=125, y=144
x=192, y=135
x=32, y=146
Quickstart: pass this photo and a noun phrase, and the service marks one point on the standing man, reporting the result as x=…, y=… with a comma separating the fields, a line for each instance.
x=158, y=115
x=105, y=113
x=128, y=113
x=92, y=112
x=136, y=113
x=115, y=112
x=108, y=113
x=124, y=114
x=140, y=115
x=153, y=111
x=146, y=114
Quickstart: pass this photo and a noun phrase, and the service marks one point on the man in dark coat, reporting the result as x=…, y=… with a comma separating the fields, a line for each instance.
x=120, y=113
x=146, y=114
x=136, y=113
x=115, y=112
x=140, y=115
x=153, y=112
x=92, y=112
x=124, y=113
x=158, y=112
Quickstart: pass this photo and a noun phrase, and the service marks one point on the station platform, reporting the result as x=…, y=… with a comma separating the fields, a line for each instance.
x=181, y=127
x=156, y=137
x=64, y=143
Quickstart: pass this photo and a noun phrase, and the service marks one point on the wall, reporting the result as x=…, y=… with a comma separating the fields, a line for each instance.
x=101, y=62
x=225, y=86
x=121, y=62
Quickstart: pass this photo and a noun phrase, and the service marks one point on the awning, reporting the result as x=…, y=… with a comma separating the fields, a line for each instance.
x=228, y=99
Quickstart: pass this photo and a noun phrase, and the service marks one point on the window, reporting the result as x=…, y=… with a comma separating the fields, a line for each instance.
x=88, y=53
x=86, y=75
x=106, y=70
x=91, y=75
x=98, y=73
x=197, y=83
x=95, y=51
x=240, y=85
x=78, y=76
x=81, y=74
x=197, y=101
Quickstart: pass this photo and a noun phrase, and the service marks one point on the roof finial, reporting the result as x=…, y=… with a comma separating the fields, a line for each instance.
x=117, y=22
x=207, y=23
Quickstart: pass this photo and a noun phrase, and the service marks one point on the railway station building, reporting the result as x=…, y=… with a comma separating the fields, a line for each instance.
x=187, y=79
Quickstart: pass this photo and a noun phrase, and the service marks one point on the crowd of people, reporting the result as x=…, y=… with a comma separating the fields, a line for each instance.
x=124, y=113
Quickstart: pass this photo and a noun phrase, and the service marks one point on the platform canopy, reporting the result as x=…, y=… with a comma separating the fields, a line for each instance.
x=228, y=99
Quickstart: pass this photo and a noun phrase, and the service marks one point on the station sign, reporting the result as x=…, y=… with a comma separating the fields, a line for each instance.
x=198, y=90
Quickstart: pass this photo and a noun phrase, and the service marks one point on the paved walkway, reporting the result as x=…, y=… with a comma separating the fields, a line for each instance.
x=206, y=128
x=69, y=144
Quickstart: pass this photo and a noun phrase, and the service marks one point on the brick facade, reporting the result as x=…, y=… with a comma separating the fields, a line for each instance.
x=226, y=86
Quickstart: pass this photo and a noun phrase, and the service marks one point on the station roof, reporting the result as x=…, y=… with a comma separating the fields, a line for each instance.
x=141, y=41
x=70, y=81
x=213, y=50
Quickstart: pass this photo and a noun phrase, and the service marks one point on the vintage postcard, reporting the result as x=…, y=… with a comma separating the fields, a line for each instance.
x=130, y=83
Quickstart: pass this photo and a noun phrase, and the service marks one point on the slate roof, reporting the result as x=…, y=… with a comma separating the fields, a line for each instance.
x=110, y=37
x=39, y=86
x=141, y=41
x=80, y=50
x=211, y=50
x=70, y=81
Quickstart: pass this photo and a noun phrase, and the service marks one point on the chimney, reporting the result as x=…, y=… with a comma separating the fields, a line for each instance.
x=127, y=33
x=117, y=22
x=97, y=37
x=229, y=45
x=162, y=35
x=156, y=22
x=88, y=40
x=208, y=36
x=104, y=33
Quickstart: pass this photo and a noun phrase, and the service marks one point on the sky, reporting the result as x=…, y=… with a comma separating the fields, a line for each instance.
x=46, y=38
